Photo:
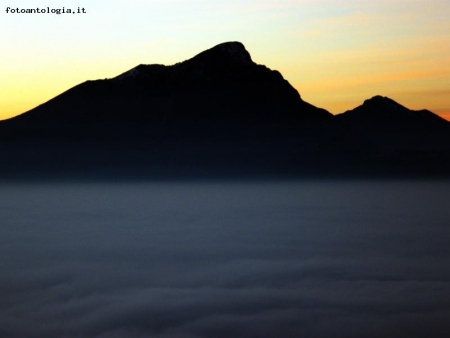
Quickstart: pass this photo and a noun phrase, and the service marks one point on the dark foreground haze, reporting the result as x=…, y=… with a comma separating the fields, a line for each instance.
x=324, y=258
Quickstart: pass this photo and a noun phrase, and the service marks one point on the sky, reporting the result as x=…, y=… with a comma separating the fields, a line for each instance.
x=335, y=53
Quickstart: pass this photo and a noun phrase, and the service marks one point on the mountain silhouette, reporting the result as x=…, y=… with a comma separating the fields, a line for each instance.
x=220, y=86
x=401, y=138
x=216, y=114
x=384, y=113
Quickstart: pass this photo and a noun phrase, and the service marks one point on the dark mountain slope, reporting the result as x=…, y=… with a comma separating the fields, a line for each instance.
x=219, y=87
x=401, y=138
x=384, y=114
x=217, y=114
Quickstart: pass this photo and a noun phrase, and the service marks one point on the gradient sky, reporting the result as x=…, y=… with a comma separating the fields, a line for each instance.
x=335, y=53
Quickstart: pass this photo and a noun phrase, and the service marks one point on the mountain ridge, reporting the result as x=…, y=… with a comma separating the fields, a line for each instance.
x=221, y=114
x=221, y=85
x=382, y=107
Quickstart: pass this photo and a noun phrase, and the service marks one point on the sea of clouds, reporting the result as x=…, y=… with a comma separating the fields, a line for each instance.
x=324, y=258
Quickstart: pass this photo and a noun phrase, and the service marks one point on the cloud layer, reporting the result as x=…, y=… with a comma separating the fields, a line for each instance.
x=280, y=259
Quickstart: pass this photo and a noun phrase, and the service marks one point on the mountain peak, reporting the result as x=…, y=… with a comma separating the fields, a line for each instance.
x=228, y=54
x=383, y=103
x=233, y=51
x=219, y=86
x=384, y=113
x=378, y=98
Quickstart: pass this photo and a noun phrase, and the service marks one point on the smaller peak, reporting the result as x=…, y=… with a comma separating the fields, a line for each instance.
x=378, y=99
x=382, y=102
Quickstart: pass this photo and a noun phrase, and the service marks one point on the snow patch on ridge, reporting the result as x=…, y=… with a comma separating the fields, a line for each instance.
x=140, y=71
x=132, y=73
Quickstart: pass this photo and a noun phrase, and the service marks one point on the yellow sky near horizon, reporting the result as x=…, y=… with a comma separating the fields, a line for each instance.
x=335, y=53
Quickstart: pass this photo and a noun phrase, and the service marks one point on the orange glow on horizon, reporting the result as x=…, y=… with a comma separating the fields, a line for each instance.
x=336, y=54
x=444, y=114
